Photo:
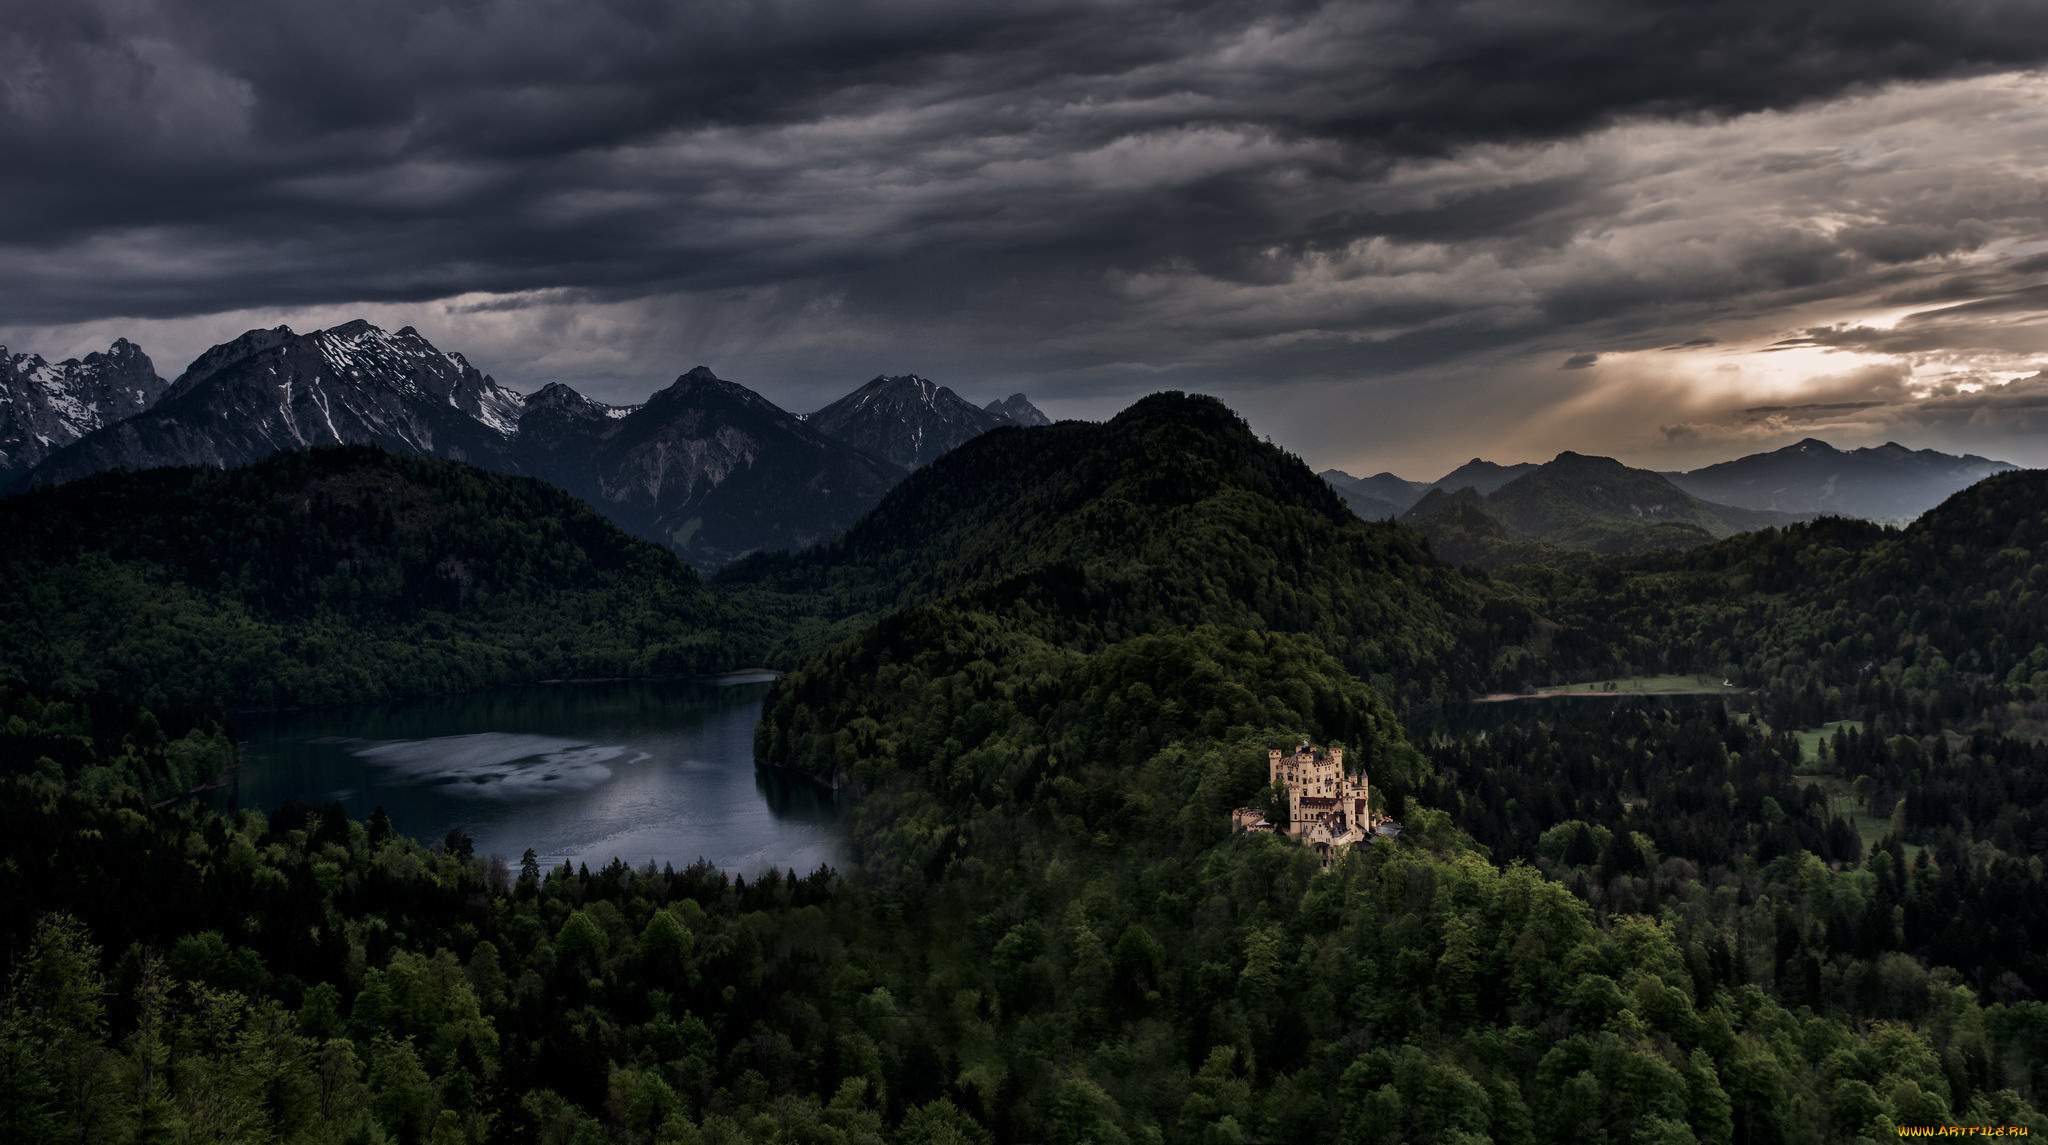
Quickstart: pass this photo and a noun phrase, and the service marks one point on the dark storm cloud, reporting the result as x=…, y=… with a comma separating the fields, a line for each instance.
x=183, y=156
x=2006, y=320
x=1416, y=208
x=1994, y=419
x=1911, y=242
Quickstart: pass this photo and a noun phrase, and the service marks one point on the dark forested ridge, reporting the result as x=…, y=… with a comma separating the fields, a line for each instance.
x=1068, y=649
x=1943, y=621
x=334, y=574
x=1171, y=515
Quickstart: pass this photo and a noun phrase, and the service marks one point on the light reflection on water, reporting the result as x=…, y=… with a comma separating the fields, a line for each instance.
x=638, y=770
x=493, y=765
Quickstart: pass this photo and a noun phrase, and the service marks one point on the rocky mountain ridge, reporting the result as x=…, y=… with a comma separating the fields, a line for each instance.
x=1018, y=410
x=906, y=420
x=716, y=471
x=273, y=390
x=45, y=406
x=707, y=467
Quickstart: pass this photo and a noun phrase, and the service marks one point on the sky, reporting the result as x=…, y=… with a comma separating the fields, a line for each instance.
x=1394, y=234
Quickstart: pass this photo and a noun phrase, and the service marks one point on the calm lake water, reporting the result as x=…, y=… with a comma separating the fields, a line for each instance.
x=638, y=770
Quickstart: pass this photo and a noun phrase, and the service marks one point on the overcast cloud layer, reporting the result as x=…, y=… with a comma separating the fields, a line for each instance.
x=1395, y=235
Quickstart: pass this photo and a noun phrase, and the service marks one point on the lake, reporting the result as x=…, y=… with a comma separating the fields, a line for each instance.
x=585, y=772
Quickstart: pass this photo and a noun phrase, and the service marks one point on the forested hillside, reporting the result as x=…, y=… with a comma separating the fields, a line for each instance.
x=1730, y=960
x=1173, y=514
x=334, y=574
x=1943, y=621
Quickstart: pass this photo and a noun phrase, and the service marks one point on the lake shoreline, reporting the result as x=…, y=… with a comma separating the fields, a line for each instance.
x=637, y=768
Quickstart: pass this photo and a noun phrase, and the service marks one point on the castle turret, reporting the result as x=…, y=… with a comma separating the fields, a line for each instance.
x=1319, y=790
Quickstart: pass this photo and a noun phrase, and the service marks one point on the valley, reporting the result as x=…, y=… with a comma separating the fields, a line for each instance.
x=1763, y=863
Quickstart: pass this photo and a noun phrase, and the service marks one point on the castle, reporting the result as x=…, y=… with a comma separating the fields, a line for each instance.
x=1327, y=808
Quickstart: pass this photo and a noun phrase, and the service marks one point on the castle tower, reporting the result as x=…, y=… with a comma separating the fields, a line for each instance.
x=1328, y=809
x=1319, y=790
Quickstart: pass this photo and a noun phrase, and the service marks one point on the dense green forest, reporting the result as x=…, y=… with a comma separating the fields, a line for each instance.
x=335, y=574
x=1944, y=622
x=1171, y=515
x=1066, y=651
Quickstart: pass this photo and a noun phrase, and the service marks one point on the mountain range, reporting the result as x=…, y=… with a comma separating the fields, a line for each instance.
x=272, y=390
x=1577, y=503
x=1888, y=483
x=1881, y=483
x=707, y=466
x=714, y=471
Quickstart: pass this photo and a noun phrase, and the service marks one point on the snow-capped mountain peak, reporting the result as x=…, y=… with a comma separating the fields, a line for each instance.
x=45, y=406
x=277, y=389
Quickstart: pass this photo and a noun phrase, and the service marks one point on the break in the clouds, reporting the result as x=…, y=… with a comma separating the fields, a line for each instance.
x=1379, y=227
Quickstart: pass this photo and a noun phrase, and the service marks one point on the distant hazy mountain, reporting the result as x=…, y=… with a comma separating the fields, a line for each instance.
x=706, y=466
x=1884, y=483
x=45, y=406
x=1481, y=475
x=1580, y=503
x=1385, y=496
x=1577, y=501
x=1367, y=508
x=272, y=390
x=1379, y=497
x=1460, y=532
x=906, y=420
x=1018, y=410
x=1436, y=501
